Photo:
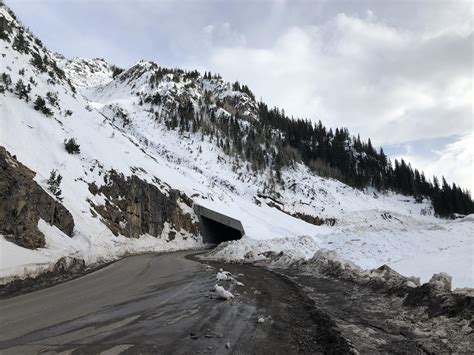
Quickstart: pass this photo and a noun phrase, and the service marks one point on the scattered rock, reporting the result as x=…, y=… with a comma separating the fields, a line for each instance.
x=227, y=345
x=261, y=320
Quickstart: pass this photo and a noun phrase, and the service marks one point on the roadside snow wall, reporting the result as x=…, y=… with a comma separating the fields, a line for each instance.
x=216, y=227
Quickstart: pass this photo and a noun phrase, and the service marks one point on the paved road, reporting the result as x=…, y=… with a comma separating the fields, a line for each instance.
x=138, y=300
x=162, y=304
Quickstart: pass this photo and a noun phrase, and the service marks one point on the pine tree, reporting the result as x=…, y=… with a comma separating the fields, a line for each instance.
x=22, y=91
x=19, y=43
x=40, y=105
x=52, y=98
x=54, y=183
x=71, y=146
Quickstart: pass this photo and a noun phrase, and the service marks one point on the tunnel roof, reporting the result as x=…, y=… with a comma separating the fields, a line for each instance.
x=218, y=217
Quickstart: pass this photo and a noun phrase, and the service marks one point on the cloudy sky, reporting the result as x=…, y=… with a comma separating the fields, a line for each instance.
x=399, y=72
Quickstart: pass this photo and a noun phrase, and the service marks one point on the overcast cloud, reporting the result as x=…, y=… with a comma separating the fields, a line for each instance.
x=399, y=72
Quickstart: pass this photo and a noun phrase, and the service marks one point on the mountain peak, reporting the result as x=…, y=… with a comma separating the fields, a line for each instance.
x=86, y=73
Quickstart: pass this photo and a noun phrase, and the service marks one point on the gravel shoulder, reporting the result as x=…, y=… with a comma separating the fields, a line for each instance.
x=374, y=321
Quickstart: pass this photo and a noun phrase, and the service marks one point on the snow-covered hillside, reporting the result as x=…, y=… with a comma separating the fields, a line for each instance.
x=123, y=124
x=85, y=73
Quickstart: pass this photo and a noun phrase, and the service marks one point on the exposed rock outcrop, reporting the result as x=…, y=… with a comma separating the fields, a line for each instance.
x=134, y=207
x=23, y=202
x=315, y=220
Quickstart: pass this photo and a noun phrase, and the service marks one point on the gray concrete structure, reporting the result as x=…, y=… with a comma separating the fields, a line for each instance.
x=217, y=227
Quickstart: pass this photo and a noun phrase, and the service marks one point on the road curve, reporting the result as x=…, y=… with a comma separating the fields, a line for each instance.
x=158, y=304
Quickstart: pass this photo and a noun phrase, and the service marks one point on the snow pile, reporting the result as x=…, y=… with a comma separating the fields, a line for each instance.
x=223, y=293
x=223, y=275
x=441, y=281
x=251, y=250
x=329, y=260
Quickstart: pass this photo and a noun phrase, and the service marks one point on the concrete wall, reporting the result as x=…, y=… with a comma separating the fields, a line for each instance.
x=217, y=227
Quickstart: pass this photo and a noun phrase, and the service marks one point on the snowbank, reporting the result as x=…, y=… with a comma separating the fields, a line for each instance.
x=251, y=250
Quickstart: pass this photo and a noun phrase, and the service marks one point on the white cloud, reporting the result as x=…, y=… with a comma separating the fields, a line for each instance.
x=392, y=85
x=455, y=162
x=221, y=34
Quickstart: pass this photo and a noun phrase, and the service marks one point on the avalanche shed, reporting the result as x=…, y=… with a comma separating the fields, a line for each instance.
x=217, y=227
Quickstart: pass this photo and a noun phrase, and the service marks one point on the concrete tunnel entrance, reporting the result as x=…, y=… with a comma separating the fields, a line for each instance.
x=217, y=227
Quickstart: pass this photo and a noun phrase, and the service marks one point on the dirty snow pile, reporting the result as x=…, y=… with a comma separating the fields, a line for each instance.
x=440, y=246
x=223, y=275
x=251, y=250
x=220, y=290
x=116, y=130
x=223, y=293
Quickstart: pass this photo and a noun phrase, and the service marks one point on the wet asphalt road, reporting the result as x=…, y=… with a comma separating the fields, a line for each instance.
x=146, y=302
x=158, y=304
x=165, y=304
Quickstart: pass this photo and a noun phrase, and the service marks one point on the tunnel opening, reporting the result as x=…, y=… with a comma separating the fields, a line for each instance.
x=214, y=232
x=217, y=227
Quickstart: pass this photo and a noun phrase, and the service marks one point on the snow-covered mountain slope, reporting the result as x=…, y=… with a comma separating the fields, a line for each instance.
x=126, y=124
x=37, y=140
x=86, y=73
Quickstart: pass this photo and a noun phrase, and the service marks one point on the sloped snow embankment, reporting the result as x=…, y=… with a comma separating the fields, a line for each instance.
x=446, y=247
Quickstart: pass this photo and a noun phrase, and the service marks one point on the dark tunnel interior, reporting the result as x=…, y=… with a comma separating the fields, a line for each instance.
x=214, y=232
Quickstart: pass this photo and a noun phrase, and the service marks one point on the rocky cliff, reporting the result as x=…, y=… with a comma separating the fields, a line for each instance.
x=23, y=202
x=134, y=207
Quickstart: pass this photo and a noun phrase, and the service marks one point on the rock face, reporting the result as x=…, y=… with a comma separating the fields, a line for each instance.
x=23, y=202
x=134, y=207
